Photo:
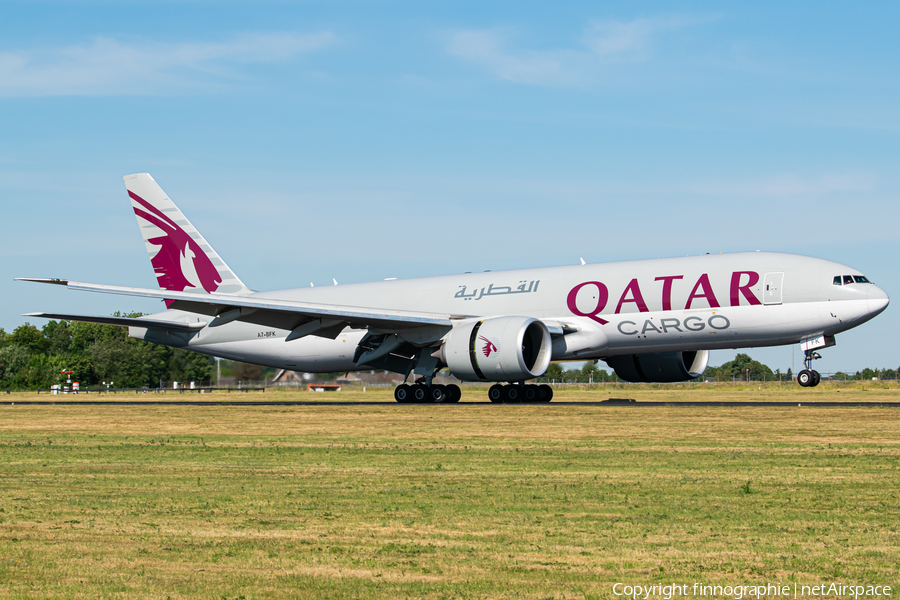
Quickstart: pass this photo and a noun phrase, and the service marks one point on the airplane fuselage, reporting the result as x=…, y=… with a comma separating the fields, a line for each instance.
x=609, y=309
x=650, y=320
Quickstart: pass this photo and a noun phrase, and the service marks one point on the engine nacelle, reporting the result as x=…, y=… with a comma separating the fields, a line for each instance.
x=498, y=349
x=665, y=367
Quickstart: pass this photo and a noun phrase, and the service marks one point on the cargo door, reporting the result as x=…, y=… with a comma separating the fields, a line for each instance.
x=772, y=288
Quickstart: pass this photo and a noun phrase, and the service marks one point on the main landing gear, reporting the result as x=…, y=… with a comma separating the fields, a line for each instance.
x=808, y=377
x=514, y=393
x=421, y=393
x=426, y=394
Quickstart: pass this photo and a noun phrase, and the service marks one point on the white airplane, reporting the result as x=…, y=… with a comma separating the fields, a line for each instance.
x=650, y=320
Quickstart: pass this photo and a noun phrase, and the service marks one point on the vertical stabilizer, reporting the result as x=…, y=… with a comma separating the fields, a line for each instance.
x=181, y=258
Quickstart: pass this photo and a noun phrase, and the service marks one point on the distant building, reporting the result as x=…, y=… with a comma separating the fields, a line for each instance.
x=374, y=378
x=285, y=378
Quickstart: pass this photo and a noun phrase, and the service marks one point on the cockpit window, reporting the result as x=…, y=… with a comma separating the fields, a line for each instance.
x=848, y=279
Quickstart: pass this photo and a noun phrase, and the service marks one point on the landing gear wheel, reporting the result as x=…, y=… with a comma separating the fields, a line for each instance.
x=808, y=377
x=495, y=394
x=437, y=394
x=419, y=393
x=546, y=392
x=511, y=393
x=530, y=394
x=453, y=393
x=402, y=394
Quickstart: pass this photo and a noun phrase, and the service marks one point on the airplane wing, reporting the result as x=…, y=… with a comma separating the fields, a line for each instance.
x=320, y=319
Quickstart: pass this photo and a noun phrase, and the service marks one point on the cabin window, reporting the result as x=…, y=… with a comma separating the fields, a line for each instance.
x=837, y=280
x=848, y=279
x=861, y=279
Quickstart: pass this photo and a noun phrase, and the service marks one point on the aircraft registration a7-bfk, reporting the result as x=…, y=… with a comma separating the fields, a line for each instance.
x=650, y=320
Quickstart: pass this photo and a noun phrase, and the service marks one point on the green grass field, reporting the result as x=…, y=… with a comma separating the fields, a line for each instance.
x=449, y=501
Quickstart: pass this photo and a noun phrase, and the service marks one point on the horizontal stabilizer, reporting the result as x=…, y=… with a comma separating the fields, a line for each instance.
x=123, y=321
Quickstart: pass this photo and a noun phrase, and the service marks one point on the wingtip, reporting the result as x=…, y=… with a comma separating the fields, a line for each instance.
x=43, y=280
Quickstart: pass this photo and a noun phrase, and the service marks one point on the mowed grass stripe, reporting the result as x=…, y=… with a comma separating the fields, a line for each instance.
x=432, y=502
x=887, y=391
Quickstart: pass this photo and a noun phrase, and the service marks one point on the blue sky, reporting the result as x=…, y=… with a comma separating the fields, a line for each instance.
x=365, y=140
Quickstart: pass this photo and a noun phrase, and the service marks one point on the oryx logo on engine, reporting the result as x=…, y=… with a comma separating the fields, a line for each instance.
x=488, y=347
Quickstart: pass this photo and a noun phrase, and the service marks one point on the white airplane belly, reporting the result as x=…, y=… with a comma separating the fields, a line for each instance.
x=310, y=353
x=321, y=355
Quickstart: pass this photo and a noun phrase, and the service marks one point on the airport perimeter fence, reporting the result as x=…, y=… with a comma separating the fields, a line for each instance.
x=144, y=390
x=732, y=380
x=598, y=384
x=262, y=387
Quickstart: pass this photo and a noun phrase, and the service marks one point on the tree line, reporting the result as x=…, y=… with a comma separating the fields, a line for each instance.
x=742, y=368
x=745, y=368
x=590, y=373
x=32, y=358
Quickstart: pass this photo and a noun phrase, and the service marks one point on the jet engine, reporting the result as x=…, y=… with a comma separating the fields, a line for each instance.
x=665, y=367
x=498, y=349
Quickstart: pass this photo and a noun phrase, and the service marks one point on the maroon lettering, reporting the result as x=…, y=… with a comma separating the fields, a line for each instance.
x=667, y=290
x=703, y=282
x=602, y=299
x=736, y=287
x=636, y=297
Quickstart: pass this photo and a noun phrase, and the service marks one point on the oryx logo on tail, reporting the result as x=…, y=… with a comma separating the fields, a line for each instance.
x=180, y=263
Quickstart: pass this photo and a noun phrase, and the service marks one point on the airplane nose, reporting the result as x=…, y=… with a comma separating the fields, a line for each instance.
x=877, y=300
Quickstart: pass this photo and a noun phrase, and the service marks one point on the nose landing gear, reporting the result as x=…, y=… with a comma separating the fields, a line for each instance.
x=808, y=377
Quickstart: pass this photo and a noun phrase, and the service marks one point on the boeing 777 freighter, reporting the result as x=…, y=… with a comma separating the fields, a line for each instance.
x=650, y=320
